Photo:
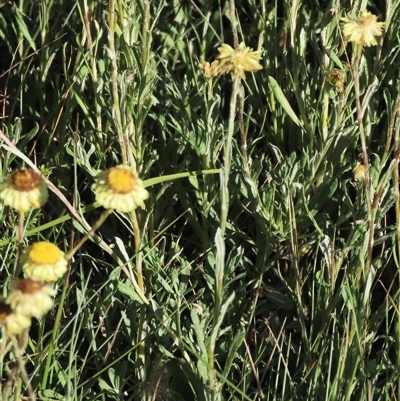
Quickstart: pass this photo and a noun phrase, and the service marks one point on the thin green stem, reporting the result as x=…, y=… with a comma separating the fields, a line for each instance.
x=93, y=66
x=356, y=78
x=90, y=233
x=232, y=12
x=396, y=183
x=219, y=273
x=54, y=334
x=21, y=366
x=325, y=102
x=143, y=77
x=20, y=239
x=114, y=83
x=228, y=155
x=142, y=318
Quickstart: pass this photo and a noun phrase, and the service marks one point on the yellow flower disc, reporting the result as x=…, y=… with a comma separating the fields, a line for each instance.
x=44, y=261
x=121, y=181
x=120, y=189
x=44, y=253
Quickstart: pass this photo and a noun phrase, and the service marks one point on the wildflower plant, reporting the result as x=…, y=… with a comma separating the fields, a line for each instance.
x=201, y=231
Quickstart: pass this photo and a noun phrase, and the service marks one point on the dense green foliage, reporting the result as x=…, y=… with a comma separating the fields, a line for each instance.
x=309, y=305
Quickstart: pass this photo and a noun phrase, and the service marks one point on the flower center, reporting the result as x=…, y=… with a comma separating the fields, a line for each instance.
x=44, y=253
x=121, y=181
x=29, y=286
x=25, y=180
x=364, y=22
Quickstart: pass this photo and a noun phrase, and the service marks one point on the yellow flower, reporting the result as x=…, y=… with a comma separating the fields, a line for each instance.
x=30, y=298
x=338, y=79
x=363, y=31
x=44, y=261
x=24, y=190
x=209, y=70
x=359, y=172
x=239, y=60
x=13, y=323
x=120, y=188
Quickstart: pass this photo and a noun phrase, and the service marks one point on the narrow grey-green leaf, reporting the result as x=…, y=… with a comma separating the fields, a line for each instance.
x=236, y=343
x=23, y=28
x=281, y=98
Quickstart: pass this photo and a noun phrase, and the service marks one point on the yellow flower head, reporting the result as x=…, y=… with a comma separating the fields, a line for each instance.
x=239, y=60
x=338, y=79
x=44, y=261
x=30, y=298
x=364, y=30
x=120, y=188
x=24, y=190
x=209, y=70
x=359, y=172
x=13, y=323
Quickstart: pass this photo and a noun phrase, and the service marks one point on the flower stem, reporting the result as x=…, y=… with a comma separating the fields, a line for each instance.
x=20, y=238
x=356, y=79
x=232, y=12
x=140, y=281
x=21, y=366
x=396, y=183
x=219, y=271
x=228, y=155
x=114, y=83
x=94, y=228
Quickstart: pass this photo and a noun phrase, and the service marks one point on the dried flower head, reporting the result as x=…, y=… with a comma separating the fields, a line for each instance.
x=44, y=261
x=120, y=188
x=238, y=61
x=364, y=30
x=24, y=190
x=5, y=310
x=338, y=79
x=209, y=70
x=359, y=172
x=30, y=298
x=12, y=322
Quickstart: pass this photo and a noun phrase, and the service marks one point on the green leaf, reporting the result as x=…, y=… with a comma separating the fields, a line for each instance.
x=281, y=98
x=129, y=291
x=199, y=332
x=23, y=28
x=170, y=177
x=232, y=353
